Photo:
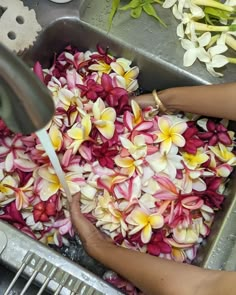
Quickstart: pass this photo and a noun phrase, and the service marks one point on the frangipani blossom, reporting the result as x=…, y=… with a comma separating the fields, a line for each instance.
x=166, y=162
x=104, y=119
x=137, y=148
x=126, y=77
x=194, y=161
x=145, y=222
x=80, y=133
x=191, y=233
x=50, y=183
x=101, y=67
x=170, y=133
x=224, y=154
x=192, y=180
x=129, y=165
x=56, y=137
x=6, y=191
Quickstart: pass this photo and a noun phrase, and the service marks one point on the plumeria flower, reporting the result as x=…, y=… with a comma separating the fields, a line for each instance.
x=50, y=183
x=192, y=180
x=64, y=226
x=126, y=76
x=137, y=148
x=6, y=192
x=22, y=194
x=101, y=67
x=104, y=119
x=43, y=210
x=224, y=154
x=109, y=217
x=195, y=49
x=129, y=165
x=194, y=161
x=170, y=133
x=215, y=132
x=166, y=162
x=144, y=221
x=80, y=133
x=68, y=98
x=190, y=234
x=87, y=199
x=129, y=189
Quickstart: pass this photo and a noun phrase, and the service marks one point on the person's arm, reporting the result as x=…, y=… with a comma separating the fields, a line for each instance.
x=151, y=274
x=209, y=100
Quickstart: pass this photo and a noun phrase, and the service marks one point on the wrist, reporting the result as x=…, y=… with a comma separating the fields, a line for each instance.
x=101, y=250
x=168, y=99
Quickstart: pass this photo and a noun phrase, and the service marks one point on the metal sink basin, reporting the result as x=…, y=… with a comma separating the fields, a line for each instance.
x=62, y=26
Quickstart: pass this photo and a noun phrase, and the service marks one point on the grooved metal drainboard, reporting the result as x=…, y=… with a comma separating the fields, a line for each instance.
x=51, y=272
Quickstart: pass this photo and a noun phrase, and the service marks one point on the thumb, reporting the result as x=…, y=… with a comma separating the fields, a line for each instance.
x=82, y=225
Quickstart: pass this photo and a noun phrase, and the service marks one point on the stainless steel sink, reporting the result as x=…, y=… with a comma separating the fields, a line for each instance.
x=62, y=26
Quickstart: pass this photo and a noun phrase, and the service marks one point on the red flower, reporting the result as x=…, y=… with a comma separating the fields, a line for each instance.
x=102, y=55
x=157, y=245
x=43, y=210
x=116, y=97
x=91, y=89
x=193, y=142
x=104, y=154
x=216, y=133
x=211, y=197
x=12, y=215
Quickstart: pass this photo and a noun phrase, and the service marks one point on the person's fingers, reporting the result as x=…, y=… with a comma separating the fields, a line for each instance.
x=144, y=100
x=83, y=226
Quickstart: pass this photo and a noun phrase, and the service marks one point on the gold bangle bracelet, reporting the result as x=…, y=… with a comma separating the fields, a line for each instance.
x=159, y=105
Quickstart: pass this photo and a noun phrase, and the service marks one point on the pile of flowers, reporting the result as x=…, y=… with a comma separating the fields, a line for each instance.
x=207, y=28
x=152, y=183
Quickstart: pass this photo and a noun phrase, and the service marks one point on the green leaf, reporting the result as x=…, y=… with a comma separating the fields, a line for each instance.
x=114, y=8
x=149, y=9
x=232, y=28
x=217, y=13
x=132, y=5
x=136, y=12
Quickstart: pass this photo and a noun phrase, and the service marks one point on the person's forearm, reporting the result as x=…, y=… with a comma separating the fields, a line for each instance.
x=155, y=275
x=211, y=100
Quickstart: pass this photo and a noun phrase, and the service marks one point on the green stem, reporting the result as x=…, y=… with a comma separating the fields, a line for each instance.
x=213, y=40
x=231, y=41
x=210, y=28
x=212, y=3
x=232, y=60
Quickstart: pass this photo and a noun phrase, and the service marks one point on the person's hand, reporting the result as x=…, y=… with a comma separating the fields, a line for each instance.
x=93, y=240
x=144, y=100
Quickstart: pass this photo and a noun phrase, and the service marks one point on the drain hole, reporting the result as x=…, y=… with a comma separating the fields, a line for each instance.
x=20, y=19
x=2, y=10
x=11, y=35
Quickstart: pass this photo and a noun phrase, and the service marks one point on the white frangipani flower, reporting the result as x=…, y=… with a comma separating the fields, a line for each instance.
x=195, y=49
x=166, y=162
